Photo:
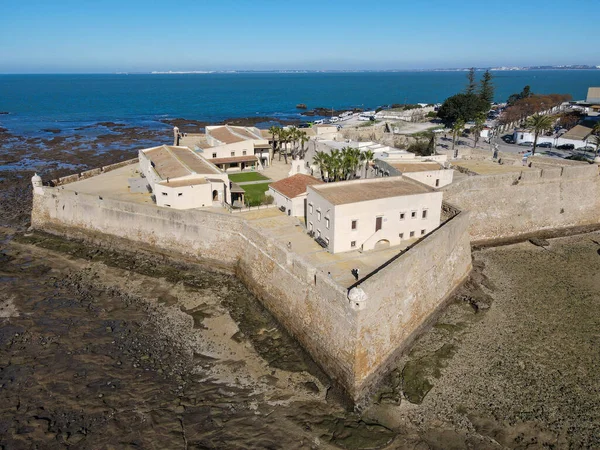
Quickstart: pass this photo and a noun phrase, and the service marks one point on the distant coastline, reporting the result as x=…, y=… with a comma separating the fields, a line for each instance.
x=459, y=69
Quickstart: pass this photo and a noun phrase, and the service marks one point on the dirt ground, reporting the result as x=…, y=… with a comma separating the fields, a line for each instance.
x=100, y=349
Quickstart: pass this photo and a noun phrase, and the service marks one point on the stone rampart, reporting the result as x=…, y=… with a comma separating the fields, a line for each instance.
x=195, y=234
x=404, y=296
x=520, y=203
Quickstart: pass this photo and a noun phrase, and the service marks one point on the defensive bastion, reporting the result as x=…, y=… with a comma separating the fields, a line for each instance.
x=353, y=333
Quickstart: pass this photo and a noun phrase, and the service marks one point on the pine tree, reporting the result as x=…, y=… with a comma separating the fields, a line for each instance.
x=486, y=89
x=472, y=84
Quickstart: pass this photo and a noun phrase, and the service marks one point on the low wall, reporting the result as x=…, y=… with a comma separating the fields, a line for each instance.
x=91, y=173
x=196, y=234
x=519, y=203
x=406, y=294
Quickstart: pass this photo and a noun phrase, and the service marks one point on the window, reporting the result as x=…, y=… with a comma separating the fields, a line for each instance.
x=424, y=214
x=310, y=208
x=168, y=205
x=310, y=226
x=401, y=235
x=327, y=240
x=327, y=222
x=422, y=232
x=437, y=182
x=214, y=155
x=318, y=233
x=179, y=194
x=318, y=215
x=378, y=223
x=402, y=215
x=164, y=193
x=413, y=214
x=244, y=153
x=232, y=153
x=353, y=244
x=354, y=224
x=412, y=234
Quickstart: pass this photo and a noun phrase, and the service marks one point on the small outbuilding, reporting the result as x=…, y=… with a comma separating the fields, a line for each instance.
x=289, y=194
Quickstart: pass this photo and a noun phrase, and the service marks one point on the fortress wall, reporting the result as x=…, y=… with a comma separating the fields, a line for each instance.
x=196, y=234
x=404, y=296
x=309, y=304
x=509, y=205
x=306, y=302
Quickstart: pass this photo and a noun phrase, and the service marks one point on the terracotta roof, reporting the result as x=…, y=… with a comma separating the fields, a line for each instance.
x=225, y=136
x=176, y=162
x=345, y=192
x=295, y=185
x=415, y=167
x=184, y=182
x=249, y=158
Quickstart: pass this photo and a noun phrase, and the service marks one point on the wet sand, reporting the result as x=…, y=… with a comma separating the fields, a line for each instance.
x=118, y=350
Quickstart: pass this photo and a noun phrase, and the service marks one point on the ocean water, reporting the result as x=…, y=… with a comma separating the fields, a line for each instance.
x=66, y=102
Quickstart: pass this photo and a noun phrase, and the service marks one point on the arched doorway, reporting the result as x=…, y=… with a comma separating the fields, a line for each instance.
x=381, y=244
x=215, y=195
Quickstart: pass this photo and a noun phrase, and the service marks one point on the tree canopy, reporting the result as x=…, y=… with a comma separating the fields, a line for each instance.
x=462, y=106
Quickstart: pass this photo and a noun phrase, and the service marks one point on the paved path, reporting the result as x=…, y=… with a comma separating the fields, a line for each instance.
x=244, y=183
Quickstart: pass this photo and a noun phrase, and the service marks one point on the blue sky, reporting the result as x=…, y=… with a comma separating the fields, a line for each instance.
x=47, y=36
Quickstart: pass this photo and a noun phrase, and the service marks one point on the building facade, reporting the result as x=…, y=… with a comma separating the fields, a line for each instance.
x=371, y=214
x=182, y=179
x=289, y=194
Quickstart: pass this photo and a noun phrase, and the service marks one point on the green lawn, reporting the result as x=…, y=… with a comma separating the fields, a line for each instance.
x=246, y=176
x=255, y=193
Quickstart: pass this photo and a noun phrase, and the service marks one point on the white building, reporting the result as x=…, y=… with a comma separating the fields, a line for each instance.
x=231, y=149
x=430, y=173
x=182, y=179
x=371, y=214
x=290, y=193
x=578, y=136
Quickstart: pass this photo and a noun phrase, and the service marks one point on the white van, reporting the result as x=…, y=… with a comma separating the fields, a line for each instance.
x=319, y=122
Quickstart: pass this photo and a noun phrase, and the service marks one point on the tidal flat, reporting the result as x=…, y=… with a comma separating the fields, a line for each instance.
x=118, y=349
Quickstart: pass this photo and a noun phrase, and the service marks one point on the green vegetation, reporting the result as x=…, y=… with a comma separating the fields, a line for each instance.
x=539, y=124
x=288, y=142
x=246, y=176
x=478, y=128
x=255, y=193
x=342, y=165
x=468, y=104
x=525, y=93
x=457, y=129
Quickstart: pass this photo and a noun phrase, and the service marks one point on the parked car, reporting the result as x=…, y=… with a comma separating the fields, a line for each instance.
x=545, y=144
x=587, y=148
x=526, y=144
x=565, y=147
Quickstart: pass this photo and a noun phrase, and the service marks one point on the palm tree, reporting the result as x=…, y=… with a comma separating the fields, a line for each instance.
x=274, y=130
x=457, y=129
x=539, y=124
x=320, y=160
x=284, y=138
x=303, y=138
x=478, y=127
x=367, y=157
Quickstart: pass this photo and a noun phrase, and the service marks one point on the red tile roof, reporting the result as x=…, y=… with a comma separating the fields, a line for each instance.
x=295, y=185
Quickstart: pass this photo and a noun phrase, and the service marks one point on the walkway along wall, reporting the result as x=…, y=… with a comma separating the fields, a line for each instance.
x=352, y=341
x=519, y=203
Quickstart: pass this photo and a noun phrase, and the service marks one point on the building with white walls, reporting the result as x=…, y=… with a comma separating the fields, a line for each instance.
x=182, y=179
x=289, y=194
x=431, y=173
x=230, y=148
x=371, y=214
